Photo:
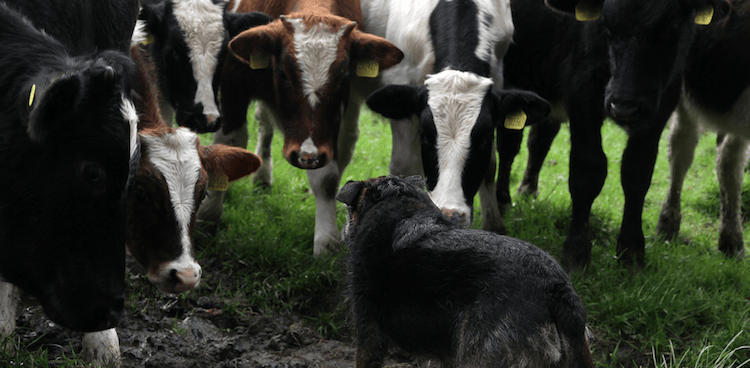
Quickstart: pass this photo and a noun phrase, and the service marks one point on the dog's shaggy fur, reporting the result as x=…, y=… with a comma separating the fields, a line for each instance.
x=470, y=298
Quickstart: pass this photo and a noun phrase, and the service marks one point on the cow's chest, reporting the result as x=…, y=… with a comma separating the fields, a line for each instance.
x=735, y=121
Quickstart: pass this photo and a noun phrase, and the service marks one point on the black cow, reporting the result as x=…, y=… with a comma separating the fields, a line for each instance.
x=621, y=58
x=189, y=46
x=68, y=149
x=470, y=298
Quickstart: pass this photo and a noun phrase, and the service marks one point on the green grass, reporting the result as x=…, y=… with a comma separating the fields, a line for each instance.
x=690, y=307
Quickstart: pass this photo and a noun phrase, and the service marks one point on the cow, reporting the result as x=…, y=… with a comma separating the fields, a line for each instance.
x=419, y=281
x=595, y=58
x=174, y=173
x=459, y=106
x=69, y=149
x=310, y=70
x=715, y=95
x=188, y=43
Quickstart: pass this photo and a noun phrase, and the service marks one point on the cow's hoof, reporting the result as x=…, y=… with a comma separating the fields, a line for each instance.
x=732, y=245
x=669, y=224
x=496, y=226
x=324, y=247
x=527, y=190
x=576, y=256
x=101, y=348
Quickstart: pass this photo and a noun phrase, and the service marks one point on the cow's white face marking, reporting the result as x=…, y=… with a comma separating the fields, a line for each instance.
x=202, y=25
x=127, y=108
x=455, y=99
x=176, y=158
x=308, y=147
x=315, y=49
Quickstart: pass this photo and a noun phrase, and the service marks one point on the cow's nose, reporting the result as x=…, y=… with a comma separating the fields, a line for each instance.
x=308, y=160
x=461, y=217
x=185, y=279
x=624, y=110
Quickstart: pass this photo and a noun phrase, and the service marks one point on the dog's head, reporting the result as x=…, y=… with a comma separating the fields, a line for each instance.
x=395, y=198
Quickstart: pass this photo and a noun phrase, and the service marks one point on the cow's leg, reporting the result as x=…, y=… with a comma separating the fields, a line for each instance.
x=8, y=305
x=541, y=136
x=492, y=219
x=233, y=132
x=406, y=152
x=508, y=146
x=731, y=159
x=636, y=171
x=263, y=149
x=325, y=184
x=588, y=170
x=683, y=138
x=167, y=112
x=101, y=347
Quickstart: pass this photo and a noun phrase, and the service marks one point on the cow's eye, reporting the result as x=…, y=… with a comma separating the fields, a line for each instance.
x=93, y=176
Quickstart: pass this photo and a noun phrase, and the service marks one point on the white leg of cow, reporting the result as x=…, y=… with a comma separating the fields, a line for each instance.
x=731, y=159
x=212, y=207
x=406, y=153
x=492, y=220
x=102, y=347
x=265, y=135
x=325, y=184
x=8, y=306
x=683, y=138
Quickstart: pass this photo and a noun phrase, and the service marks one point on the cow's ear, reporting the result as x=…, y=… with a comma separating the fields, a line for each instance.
x=256, y=46
x=232, y=162
x=53, y=105
x=584, y=10
x=516, y=109
x=235, y=23
x=372, y=54
x=397, y=101
x=152, y=12
x=350, y=192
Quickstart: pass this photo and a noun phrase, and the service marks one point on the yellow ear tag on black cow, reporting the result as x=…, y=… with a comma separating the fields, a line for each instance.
x=32, y=94
x=219, y=183
x=148, y=39
x=516, y=120
x=259, y=60
x=368, y=68
x=704, y=16
x=587, y=11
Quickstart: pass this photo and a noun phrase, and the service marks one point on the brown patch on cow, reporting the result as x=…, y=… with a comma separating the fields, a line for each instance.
x=146, y=100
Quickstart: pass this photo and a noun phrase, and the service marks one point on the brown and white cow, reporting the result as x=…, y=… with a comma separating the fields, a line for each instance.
x=310, y=69
x=173, y=176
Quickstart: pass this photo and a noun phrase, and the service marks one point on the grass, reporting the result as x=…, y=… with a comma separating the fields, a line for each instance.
x=690, y=307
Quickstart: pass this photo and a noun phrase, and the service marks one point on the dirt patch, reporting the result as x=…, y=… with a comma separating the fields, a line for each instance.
x=197, y=329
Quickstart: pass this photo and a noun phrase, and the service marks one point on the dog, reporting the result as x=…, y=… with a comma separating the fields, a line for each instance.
x=418, y=281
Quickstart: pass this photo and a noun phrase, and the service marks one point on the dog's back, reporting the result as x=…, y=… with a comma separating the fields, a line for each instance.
x=467, y=297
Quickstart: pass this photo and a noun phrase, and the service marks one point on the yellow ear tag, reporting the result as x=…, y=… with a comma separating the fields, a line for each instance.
x=586, y=11
x=31, y=95
x=219, y=183
x=368, y=68
x=259, y=60
x=704, y=16
x=516, y=121
x=149, y=39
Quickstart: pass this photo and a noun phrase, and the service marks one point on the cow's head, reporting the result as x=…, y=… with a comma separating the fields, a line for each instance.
x=648, y=42
x=313, y=60
x=189, y=43
x=62, y=237
x=174, y=173
x=458, y=114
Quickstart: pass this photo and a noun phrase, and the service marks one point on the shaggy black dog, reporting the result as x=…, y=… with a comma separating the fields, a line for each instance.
x=470, y=298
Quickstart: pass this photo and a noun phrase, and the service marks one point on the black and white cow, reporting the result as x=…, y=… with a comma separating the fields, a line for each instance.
x=449, y=80
x=68, y=149
x=188, y=44
x=593, y=58
x=715, y=95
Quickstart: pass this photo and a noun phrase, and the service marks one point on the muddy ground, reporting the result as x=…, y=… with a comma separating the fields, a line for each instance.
x=192, y=330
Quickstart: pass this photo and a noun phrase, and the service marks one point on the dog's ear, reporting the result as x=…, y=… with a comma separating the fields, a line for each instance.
x=350, y=192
